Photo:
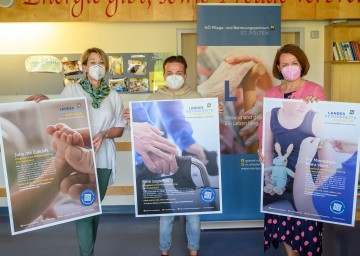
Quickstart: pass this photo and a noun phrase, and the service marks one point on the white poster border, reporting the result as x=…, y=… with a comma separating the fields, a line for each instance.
x=18, y=104
x=329, y=107
x=215, y=116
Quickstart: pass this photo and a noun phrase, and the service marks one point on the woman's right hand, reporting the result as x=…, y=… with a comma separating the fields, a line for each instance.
x=260, y=155
x=37, y=97
x=267, y=173
x=126, y=114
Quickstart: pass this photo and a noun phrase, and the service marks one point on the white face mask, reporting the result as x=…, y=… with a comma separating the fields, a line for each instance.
x=174, y=82
x=97, y=72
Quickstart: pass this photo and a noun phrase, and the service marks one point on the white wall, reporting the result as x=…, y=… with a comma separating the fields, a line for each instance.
x=74, y=37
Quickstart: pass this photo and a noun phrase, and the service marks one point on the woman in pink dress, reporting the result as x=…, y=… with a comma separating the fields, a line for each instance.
x=300, y=237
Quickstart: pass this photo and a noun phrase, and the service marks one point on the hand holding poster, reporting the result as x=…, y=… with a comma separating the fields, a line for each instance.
x=176, y=157
x=48, y=163
x=311, y=160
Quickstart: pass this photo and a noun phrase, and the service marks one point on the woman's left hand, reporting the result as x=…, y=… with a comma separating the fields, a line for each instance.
x=311, y=99
x=126, y=114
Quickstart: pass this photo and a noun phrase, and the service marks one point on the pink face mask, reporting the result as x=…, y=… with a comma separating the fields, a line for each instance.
x=291, y=73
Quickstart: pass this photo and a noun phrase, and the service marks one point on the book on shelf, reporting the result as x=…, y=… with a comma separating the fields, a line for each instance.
x=356, y=49
x=349, y=52
x=351, y=45
x=335, y=51
x=339, y=50
x=346, y=51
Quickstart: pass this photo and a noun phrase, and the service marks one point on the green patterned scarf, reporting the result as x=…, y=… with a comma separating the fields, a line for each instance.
x=97, y=94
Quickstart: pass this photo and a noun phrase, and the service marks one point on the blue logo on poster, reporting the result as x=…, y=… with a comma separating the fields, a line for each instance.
x=208, y=195
x=337, y=207
x=87, y=197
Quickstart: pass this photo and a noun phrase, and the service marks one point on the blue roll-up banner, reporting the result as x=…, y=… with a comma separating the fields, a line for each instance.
x=236, y=47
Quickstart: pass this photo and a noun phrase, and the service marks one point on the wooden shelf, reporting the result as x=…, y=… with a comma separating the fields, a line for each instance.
x=343, y=62
x=341, y=78
x=357, y=215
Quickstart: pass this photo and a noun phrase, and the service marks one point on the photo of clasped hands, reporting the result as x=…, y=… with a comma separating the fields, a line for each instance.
x=157, y=152
x=249, y=79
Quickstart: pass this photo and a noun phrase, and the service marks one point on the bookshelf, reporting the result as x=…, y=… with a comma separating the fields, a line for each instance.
x=341, y=78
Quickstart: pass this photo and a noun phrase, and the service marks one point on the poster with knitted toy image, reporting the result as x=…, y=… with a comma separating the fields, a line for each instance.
x=48, y=163
x=311, y=163
x=176, y=163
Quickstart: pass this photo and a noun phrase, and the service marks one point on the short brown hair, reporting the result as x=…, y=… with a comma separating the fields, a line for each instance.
x=298, y=53
x=85, y=57
x=175, y=59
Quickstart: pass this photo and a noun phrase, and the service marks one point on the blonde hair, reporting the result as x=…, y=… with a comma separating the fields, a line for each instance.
x=85, y=57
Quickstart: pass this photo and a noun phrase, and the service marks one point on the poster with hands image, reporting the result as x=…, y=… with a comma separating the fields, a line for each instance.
x=48, y=163
x=176, y=157
x=322, y=167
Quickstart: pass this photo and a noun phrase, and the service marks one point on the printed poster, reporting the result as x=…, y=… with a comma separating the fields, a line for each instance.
x=237, y=44
x=169, y=178
x=44, y=147
x=312, y=166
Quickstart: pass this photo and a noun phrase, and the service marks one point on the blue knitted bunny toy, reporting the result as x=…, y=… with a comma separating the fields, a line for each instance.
x=279, y=171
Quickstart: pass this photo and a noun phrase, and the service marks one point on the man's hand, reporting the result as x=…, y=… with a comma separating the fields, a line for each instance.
x=162, y=166
x=198, y=151
x=148, y=139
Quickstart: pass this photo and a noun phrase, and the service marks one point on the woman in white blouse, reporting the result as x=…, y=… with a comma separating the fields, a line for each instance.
x=105, y=108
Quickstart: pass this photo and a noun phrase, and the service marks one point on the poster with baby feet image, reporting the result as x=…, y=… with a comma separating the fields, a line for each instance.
x=311, y=163
x=48, y=163
x=176, y=157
